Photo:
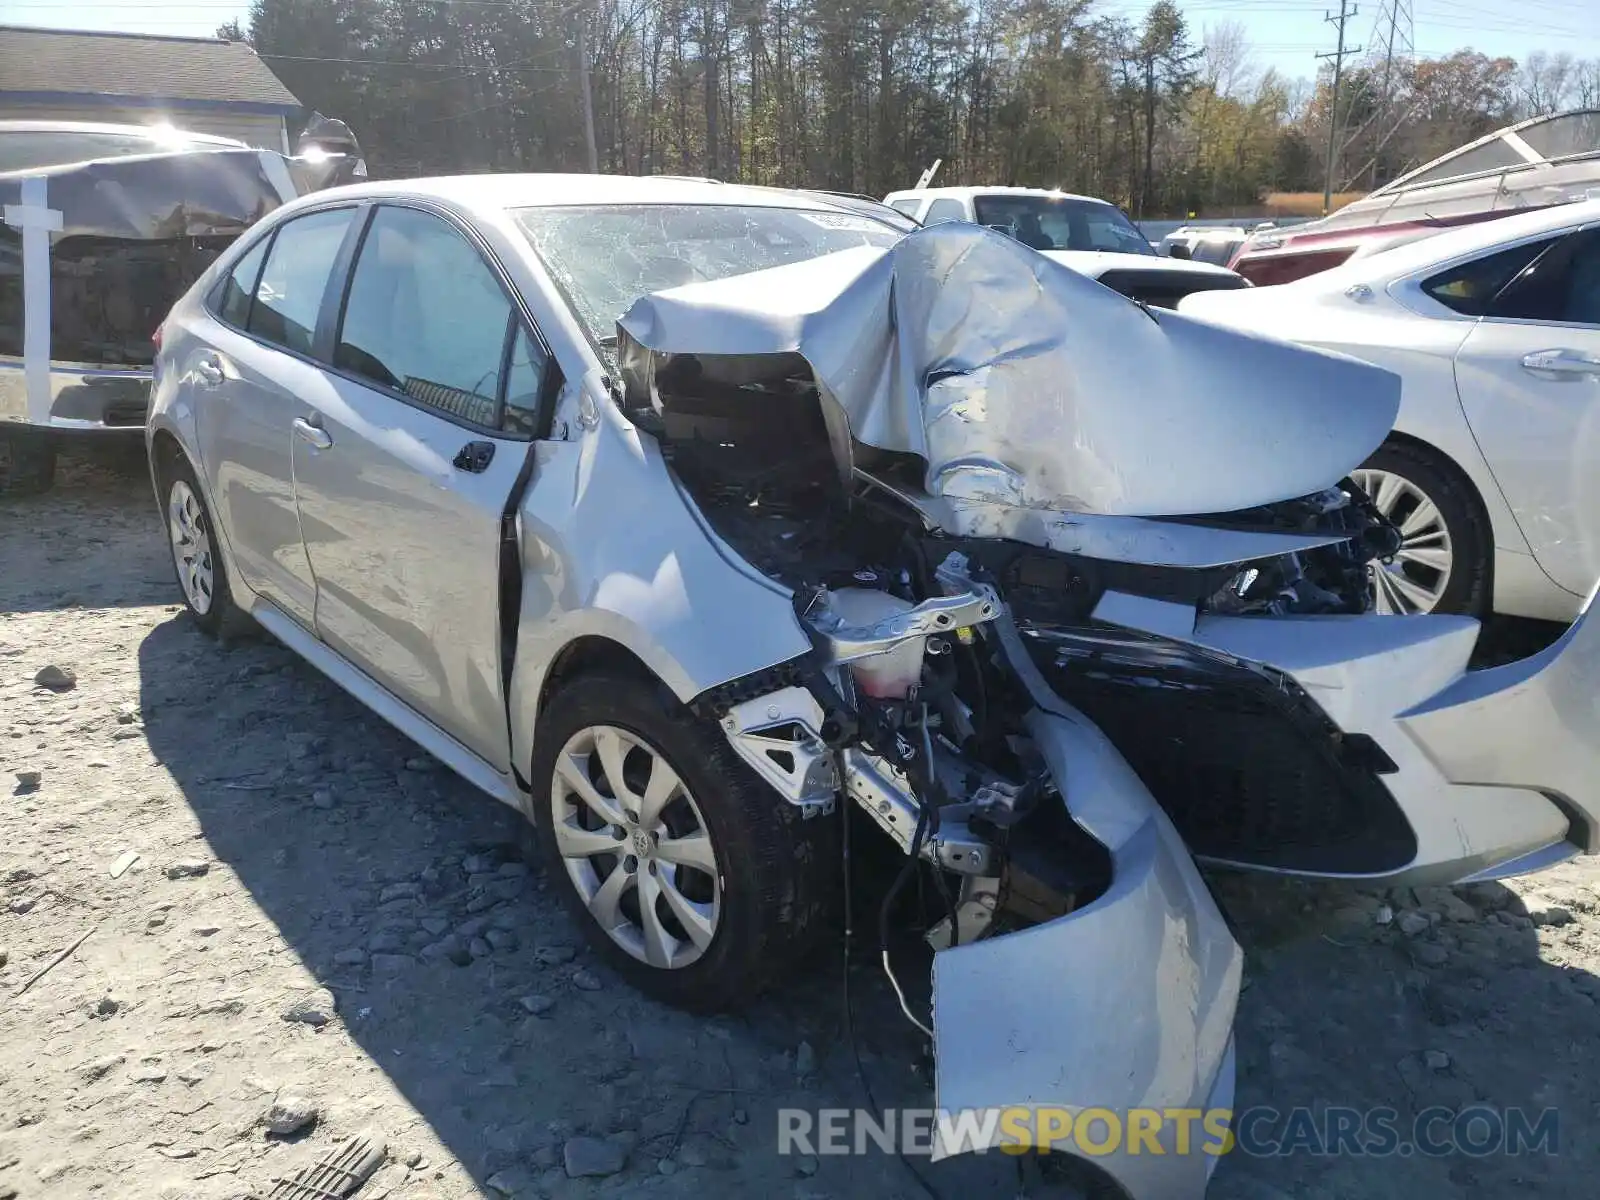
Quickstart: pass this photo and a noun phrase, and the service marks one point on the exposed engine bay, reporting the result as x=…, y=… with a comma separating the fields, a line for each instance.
x=918, y=700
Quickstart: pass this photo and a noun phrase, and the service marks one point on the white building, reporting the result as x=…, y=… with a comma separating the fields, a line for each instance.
x=201, y=84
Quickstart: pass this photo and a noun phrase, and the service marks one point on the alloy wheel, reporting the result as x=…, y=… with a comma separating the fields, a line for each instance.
x=191, y=545
x=635, y=846
x=1414, y=580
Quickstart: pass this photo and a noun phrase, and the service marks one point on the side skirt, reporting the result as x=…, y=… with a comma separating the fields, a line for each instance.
x=425, y=733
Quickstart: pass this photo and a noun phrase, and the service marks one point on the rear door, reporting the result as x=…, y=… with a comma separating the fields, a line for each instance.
x=1529, y=378
x=250, y=372
x=405, y=463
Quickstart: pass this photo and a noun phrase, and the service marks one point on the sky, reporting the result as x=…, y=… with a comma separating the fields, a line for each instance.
x=1285, y=34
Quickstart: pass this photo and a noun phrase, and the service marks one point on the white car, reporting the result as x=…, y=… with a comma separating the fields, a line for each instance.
x=1091, y=236
x=1492, y=471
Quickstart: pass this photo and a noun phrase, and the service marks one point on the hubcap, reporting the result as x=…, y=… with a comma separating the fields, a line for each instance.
x=1414, y=580
x=635, y=846
x=191, y=545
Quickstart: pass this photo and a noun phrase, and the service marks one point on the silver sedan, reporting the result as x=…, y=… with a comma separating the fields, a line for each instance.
x=691, y=520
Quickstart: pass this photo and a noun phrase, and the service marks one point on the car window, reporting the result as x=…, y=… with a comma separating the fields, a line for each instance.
x=945, y=210
x=1471, y=287
x=525, y=379
x=1561, y=285
x=426, y=316
x=1490, y=156
x=292, y=284
x=604, y=257
x=233, y=305
x=1109, y=230
x=907, y=205
x=1048, y=222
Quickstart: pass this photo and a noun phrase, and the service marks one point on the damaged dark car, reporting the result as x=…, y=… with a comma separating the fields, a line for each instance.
x=102, y=228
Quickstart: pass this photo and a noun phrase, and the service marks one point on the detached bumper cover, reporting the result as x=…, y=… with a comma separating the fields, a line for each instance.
x=1529, y=724
x=1496, y=769
x=1125, y=1005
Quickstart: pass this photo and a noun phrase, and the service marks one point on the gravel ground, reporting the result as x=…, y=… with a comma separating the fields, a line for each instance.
x=296, y=929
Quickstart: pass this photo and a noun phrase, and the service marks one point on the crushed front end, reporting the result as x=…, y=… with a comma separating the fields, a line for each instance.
x=1088, y=593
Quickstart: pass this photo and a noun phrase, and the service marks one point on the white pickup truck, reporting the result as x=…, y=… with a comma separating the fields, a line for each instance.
x=1093, y=237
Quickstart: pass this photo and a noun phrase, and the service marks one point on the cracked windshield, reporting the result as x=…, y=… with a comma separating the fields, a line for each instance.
x=605, y=258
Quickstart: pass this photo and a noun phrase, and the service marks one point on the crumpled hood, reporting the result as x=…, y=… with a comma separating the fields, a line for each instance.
x=1020, y=381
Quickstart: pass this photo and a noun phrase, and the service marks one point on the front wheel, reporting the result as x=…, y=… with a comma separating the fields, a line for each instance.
x=1445, y=561
x=696, y=881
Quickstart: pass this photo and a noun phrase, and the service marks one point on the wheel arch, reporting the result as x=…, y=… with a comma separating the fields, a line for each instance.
x=1444, y=463
x=166, y=447
x=594, y=641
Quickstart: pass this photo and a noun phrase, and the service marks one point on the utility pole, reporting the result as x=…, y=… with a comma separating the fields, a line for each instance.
x=588, y=99
x=1346, y=11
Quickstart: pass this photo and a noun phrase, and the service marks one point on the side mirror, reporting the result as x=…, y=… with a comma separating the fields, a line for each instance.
x=1179, y=250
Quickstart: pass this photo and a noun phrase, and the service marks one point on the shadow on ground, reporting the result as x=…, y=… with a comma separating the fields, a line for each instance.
x=1431, y=1000
x=366, y=866
x=116, y=555
x=381, y=876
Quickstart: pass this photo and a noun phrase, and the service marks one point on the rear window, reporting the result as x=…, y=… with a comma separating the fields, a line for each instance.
x=1471, y=287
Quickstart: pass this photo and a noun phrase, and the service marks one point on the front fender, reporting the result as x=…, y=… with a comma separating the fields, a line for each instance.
x=1125, y=1005
x=612, y=548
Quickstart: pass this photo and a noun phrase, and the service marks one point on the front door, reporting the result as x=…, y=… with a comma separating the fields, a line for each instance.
x=245, y=422
x=404, y=465
x=1529, y=377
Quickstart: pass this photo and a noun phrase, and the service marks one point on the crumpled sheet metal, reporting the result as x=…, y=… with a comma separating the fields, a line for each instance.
x=1127, y=1003
x=1024, y=383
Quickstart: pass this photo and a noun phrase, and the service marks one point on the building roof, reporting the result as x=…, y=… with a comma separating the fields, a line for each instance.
x=57, y=63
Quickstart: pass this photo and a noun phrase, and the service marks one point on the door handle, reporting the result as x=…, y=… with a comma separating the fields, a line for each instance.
x=1562, y=362
x=209, y=368
x=314, y=434
x=474, y=457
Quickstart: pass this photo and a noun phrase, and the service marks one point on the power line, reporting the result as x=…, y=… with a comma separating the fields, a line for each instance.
x=1347, y=12
x=420, y=66
x=1394, y=41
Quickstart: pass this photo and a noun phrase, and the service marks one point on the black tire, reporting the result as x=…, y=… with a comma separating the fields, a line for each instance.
x=27, y=464
x=777, y=870
x=222, y=619
x=1469, y=589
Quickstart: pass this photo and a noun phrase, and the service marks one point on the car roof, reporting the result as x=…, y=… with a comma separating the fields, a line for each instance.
x=492, y=193
x=966, y=192
x=1452, y=244
x=149, y=132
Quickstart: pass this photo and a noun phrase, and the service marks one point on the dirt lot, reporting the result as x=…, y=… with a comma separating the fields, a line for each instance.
x=317, y=916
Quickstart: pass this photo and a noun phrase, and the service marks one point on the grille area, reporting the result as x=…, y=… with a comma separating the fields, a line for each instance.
x=1248, y=767
x=1163, y=289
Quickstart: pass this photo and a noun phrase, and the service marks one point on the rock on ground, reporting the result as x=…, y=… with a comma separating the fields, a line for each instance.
x=289, y=1114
